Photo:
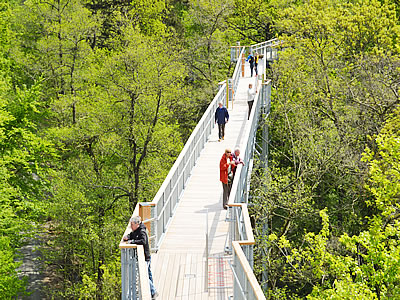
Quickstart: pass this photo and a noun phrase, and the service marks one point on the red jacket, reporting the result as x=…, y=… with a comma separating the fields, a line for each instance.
x=223, y=169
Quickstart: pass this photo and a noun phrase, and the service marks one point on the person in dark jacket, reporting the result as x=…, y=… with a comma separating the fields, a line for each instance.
x=256, y=58
x=139, y=236
x=250, y=59
x=221, y=117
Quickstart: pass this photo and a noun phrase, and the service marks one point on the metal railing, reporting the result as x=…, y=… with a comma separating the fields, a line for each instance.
x=240, y=230
x=157, y=214
x=168, y=196
x=268, y=49
x=134, y=269
x=236, y=72
x=241, y=239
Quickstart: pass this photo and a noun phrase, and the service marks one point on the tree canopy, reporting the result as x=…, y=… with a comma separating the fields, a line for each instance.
x=97, y=99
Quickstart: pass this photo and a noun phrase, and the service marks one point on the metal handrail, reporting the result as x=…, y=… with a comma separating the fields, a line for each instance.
x=162, y=208
x=236, y=72
x=241, y=237
x=239, y=233
x=165, y=201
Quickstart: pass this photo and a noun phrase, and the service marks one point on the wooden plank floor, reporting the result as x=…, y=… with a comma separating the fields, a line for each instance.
x=179, y=267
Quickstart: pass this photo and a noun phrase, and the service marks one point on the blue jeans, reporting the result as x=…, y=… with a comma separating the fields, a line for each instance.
x=152, y=288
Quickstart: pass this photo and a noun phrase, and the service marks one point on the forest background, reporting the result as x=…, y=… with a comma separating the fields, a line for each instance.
x=97, y=98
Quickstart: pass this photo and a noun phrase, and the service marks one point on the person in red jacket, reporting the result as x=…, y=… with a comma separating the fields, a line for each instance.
x=223, y=175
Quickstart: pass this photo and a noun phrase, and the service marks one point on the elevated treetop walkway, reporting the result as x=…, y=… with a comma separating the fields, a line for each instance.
x=200, y=250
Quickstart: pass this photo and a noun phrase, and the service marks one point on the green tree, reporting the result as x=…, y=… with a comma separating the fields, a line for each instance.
x=369, y=263
x=331, y=93
x=116, y=154
x=58, y=38
x=23, y=158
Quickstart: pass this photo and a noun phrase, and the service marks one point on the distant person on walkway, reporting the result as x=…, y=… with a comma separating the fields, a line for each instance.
x=224, y=164
x=251, y=94
x=256, y=58
x=250, y=59
x=237, y=160
x=139, y=236
x=221, y=117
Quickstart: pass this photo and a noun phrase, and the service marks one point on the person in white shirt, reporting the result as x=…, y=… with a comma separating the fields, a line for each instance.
x=251, y=94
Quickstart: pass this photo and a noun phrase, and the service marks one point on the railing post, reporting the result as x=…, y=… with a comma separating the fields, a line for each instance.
x=206, y=281
x=229, y=91
x=243, y=63
x=228, y=248
x=124, y=273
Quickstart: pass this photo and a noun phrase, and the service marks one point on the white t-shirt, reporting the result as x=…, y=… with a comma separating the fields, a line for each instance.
x=251, y=94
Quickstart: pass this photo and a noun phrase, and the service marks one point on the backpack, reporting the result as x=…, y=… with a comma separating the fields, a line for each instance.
x=251, y=60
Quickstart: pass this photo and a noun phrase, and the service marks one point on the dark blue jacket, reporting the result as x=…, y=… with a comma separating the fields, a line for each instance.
x=221, y=114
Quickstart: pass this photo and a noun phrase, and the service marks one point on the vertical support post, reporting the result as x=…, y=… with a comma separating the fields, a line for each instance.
x=124, y=289
x=227, y=93
x=243, y=63
x=231, y=233
x=265, y=59
x=264, y=274
x=145, y=214
x=237, y=50
x=207, y=255
x=155, y=225
x=251, y=256
x=265, y=150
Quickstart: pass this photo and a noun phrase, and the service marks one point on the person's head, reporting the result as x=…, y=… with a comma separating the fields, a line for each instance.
x=220, y=104
x=228, y=152
x=237, y=151
x=250, y=86
x=135, y=222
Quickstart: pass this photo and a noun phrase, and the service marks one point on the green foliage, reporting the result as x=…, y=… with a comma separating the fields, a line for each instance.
x=336, y=84
x=117, y=87
x=10, y=284
x=362, y=266
x=116, y=153
x=253, y=21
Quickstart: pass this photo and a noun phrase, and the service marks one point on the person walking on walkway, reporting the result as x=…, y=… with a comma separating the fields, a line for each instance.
x=251, y=94
x=256, y=58
x=224, y=165
x=139, y=236
x=250, y=59
x=221, y=117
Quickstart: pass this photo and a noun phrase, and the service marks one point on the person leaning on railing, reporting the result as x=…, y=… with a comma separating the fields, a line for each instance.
x=237, y=160
x=223, y=176
x=139, y=236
